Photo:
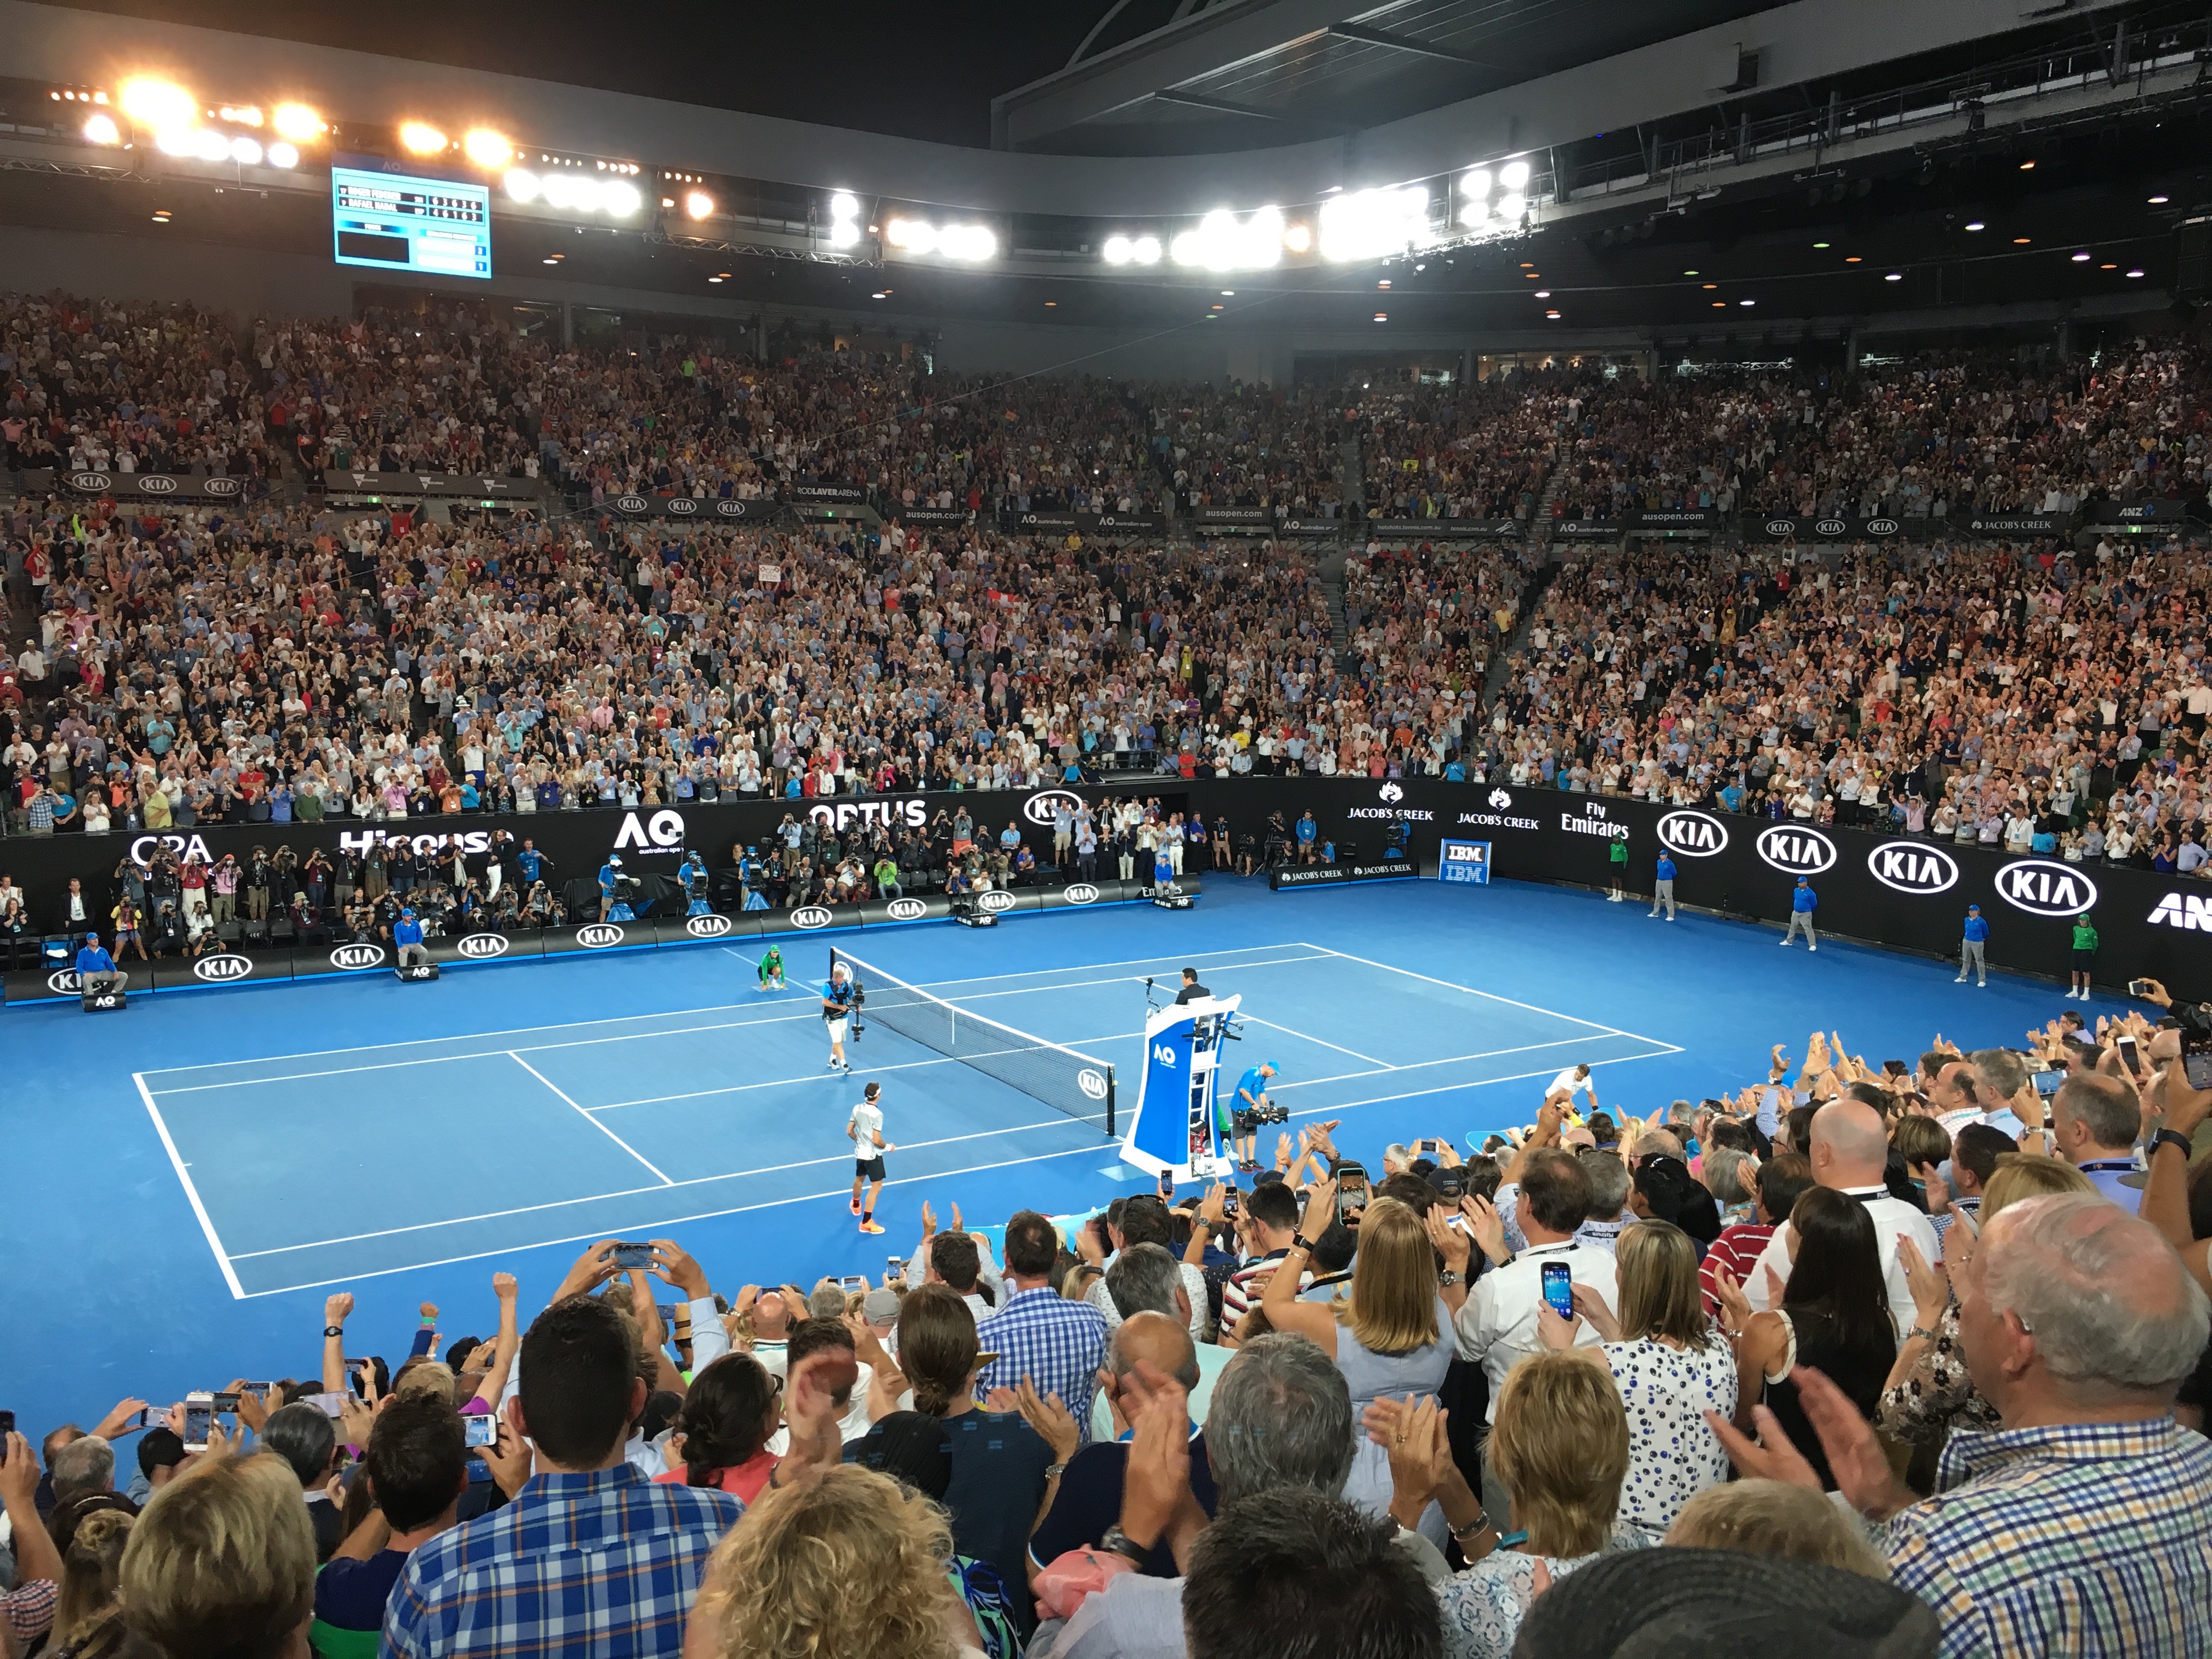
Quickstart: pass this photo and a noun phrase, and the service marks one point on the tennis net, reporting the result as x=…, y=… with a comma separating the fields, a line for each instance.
x=1061, y=1078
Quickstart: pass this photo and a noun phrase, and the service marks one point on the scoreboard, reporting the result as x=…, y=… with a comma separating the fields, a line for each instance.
x=398, y=221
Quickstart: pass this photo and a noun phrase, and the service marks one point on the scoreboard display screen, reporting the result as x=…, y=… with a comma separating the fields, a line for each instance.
x=397, y=222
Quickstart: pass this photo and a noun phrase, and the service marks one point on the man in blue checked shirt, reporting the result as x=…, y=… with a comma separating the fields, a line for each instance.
x=2083, y=1525
x=1057, y=1344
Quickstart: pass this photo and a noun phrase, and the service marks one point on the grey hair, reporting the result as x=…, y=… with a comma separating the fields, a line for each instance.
x=1608, y=1180
x=2113, y=1312
x=84, y=1465
x=1664, y=1141
x=1144, y=1279
x=1681, y=1111
x=2106, y=1106
x=1281, y=1416
x=1724, y=1172
x=2001, y=1069
x=1397, y=1152
x=301, y=1435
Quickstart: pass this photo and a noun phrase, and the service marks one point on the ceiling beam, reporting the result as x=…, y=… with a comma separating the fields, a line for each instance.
x=1405, y=43
x=1218, y=105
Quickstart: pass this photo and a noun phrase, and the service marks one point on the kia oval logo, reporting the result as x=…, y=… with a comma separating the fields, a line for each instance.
x=631, y=503
x=1793, y=848
x=995, y=899
x=479, y=947
x=88, y=481
x=811, y=916
x=1781, y=527
x=1882, y=527
x=218, y=969
x=598, y=936
x=65, y=983
x=678, y=505
x=354, y=957
x=907, y=909
x=2044, y=887
x=707, y=926
x=1829, y=527
x=1692, y=834
x=157, y=484
x=729, y=510
x=1909, y=867
x=1081, y=892
x=1091, y=1082
x=1391, y=792
x=1500, y=799
x=1039, y=807
x=220, y=486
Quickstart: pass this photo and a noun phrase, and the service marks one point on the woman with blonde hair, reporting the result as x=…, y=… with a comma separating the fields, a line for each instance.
x=1776, y=1519
x=1672, y=1366
x=1391, y=1336
x=853, y=1563
x=90, y=1571
x=1560, y=1448
x=1928, y=1392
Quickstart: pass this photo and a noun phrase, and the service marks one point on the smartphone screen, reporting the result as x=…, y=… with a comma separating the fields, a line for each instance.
x=896, y=1265
x=2197, y=1062
x=329, y=1404
x=633, y=1255
x=198, y=1413
x=479, y=1429
x=1560, y=1289
x=2047, y=1083
x=2139, y=988
x=2126, y=1045
x=225, y=1402
x=7, y=1428
x=1229, y=1197
x=853, y=1283
x=1350, y=1199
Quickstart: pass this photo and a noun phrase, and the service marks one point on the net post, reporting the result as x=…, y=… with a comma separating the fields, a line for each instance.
x=1109, y=1102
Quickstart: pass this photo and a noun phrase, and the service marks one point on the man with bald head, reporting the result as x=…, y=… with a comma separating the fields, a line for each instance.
x=2095, y=1120
x=1849, y=1149
x=1090, y=1497
x=2083, y=1525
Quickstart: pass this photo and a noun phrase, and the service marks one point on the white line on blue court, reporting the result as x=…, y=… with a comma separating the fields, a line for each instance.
x=192, y=1192
x=1476, y=1083
x=588, y=1117
x=1515, y=1002
x=1307, y=1036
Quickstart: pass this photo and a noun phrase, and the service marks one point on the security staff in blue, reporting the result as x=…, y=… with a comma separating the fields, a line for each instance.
x=1973, y=942
x=694, y=883
x=1802, y=898
x=407, y=940
x=96, y=969
x=836, y=1009
x=610, y=909
x=1244, y=1105
x=1663, y=885
x=533, y=863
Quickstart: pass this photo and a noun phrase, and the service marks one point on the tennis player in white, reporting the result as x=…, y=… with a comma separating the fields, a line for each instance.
x=865, y=1129
x=837, y=1010
x=1575, y=1080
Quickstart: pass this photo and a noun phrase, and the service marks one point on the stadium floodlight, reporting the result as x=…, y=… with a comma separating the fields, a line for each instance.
x=913, y=235
x=420, y=138
x=1510, y=207
x=522, y=184
x=246, y=152
x=281, y=155
x=296, y=122
x=160, y=105
x=1474, y=212
x=210, y=146
x=697, y=204
x=486, y=149
x=1222, y=241
x=100, y=129
x=1475, y=181
x=175, y=141
x=1298, y=238
x=843, y=204
x=972, y=243
x=1368, y=224
x=621, y=198
x=1145, y=250
x=844, y=233
x=1514, y=175
x=1118, y=250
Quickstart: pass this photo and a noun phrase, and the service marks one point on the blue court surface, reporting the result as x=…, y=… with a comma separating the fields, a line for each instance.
x=188, y=1180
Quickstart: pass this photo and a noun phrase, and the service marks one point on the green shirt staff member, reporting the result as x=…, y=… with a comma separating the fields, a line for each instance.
x=2085, y=956
x=771, y=969
x=1617, y=850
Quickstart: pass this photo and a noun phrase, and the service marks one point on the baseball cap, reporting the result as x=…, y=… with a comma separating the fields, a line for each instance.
x=882, y=1303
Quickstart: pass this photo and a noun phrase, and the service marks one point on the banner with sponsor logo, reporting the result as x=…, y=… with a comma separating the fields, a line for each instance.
x=929, y=517
x=730, y=510
x=1262, y=521
x=2152, y=512
x=471, y=486
x=1421, y=530
x=191, y=485
x=2007, y=524
x=1834, y=527
x=1055, y=523
x=1674, y=521
x=1325, y=875
x=821, y=494
x=1588, y=530
x=223, y=965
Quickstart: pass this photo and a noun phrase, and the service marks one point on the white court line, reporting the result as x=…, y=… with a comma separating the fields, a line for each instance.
x=1307, y=1036
x=1125, y=961
x=1608, y=1030
x=967, y=997
x=588, y=1117
x=1478, y=1083
x=1384, y=1068
x=668, y=1221
x=192, y=1192
x=632, y=1192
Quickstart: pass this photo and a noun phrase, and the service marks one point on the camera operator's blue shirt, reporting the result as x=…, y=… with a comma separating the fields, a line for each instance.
x=1306, y=831
x=607, y=879
x=840, y=994
x=1250, y=1083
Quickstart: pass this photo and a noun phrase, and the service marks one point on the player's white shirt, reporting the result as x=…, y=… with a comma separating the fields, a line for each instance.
x=868, y=1122
x=1567, y=1084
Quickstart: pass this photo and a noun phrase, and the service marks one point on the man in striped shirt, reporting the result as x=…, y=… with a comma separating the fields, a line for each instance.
x=1782, y=1180
x=1266, y=1223
x=2083, y=1525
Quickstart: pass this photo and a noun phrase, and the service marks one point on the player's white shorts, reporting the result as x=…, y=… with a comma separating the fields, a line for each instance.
x=837, y=1029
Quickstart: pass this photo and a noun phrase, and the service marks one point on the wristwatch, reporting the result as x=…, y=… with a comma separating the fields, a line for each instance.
x=333, y=1330
x=1300, y=1242
x=2174, y=1137
x=1121, y=1543
x=1449, y=1276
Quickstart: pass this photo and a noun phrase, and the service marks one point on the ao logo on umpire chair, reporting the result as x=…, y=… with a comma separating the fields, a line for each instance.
x=707, y=926
x=994, y=900
x=1080, y=892
x=1693, y=834
x=2044, y=887
x=1092, y=1083
x=354, y=957
x=907, y=909
x=599, y=935
x=811, y=916
x=482, y=947
x=1909, y=867
x=1039, y=807
x=1796, y=849
x=222, y=968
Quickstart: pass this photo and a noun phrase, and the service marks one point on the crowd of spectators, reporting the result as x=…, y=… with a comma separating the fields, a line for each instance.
x=1253, y=448
x=1915, y=1360
x=1469, y=451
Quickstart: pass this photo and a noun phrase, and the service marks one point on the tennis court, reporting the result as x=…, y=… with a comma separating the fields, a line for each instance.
x=633, y=1125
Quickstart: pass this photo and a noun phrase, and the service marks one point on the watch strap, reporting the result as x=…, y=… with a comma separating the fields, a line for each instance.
x=333, y=1330
x=2173, y=1137
x=1120, y=1543
x=1300, y=1242
x=1450, y=1276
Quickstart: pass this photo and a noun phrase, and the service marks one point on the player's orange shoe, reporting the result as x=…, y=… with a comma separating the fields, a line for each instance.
x=871, y=1226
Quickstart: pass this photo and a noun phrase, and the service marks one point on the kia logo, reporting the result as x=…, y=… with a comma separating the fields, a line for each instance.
x=1081, y=892
x=907, y=909
x=1882, y=527
x=1500, y=799
x=156, y=484
x=682, y=504
x=1693, y=835
x=216, y=970
x=1391, y=792
x=220, y=486
x=598, y=936
x=1793, y=848
x=65, y=983
x=1781, y=527
x=1091, y=1082
x=479, y=946
x=1039, y=807
x=811, y=916
x=88, y=480
x=1909, y=867
x=707, y=926
x=1829, y=527
x=354, y=958
x=995, y=899
x=631, y=503
x=729, y=510
x=2044, y=887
